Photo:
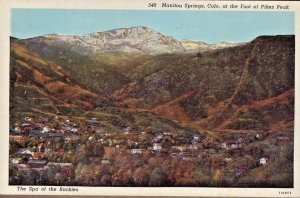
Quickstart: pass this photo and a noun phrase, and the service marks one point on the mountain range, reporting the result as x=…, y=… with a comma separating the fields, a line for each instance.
x=132, y=41
x=248, y=86
x=139, y=80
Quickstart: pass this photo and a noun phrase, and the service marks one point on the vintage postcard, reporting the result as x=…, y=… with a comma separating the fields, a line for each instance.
x=136, y=98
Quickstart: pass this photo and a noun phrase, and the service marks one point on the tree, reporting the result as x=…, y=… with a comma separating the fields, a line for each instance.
x=87, y=176
x=141, y=176
x=16, y=177
x=32, y=177
x=158, y=178
x=122, y=178
x=13, y=146
x=98, y=150
x=202, y=176
x=105, y=180
x=47, y=177
x=111, y=154
x=218, y=176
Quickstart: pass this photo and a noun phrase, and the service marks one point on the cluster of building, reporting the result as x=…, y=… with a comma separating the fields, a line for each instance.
x=60, y=135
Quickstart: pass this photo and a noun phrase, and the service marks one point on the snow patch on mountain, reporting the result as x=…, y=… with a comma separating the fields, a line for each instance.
x=135, y=40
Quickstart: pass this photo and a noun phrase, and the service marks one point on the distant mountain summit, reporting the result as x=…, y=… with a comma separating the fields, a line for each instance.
x=136, y=40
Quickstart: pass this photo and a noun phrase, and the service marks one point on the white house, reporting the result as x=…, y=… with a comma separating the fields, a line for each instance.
x=263, y=161
x=136, y=151
x=228, y=159
x=16, y=160
x=232, y=144
x=91, y=138
x=257, y=136
x=25, y=152
x=25, y=125
x=157, y=146
x=196, y=137
x=46, y=129
x=17, y=130
x=28, y=119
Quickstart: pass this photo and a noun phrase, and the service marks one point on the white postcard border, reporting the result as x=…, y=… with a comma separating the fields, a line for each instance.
x=5, y=7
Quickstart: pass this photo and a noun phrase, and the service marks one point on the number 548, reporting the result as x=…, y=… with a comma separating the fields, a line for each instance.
x=152, y=5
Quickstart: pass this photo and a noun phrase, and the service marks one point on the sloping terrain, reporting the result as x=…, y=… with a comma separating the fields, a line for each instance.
x=231, y=88
x=41, y=88
x=212, y=89
x=130, y=90
x=40, y=84
x=106, y=58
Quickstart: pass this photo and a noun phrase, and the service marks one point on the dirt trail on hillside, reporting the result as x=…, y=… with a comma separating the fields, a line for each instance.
x=239, y=86
x=258, y=106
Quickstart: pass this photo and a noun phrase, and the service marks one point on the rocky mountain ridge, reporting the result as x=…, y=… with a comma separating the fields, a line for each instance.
x=220, y=89
x=135, y=40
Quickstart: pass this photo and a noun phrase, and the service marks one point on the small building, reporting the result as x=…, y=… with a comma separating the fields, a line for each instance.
x=74, y=130
x=137, y=151
x=105, y=161
x=283, y=139
x=28, y=119
x=180, y=148
x=93, y=119
x=158, y=138
x=46, y=129
x=257, y=137
x=173, y=155
x=92, y=138
x=16, y=130
x=193, y=146
x=232, y=145
x=196, y=137
x=224, y=145
x=263, y=161
x=227, y=159
x=56, y=135
x=185, y=154
x=33, y=163
x=127, y=129
x=25, y=125
x=25, y=151
x=17, y=138
x=49, y=164
x=157, y=146
x=17, y=160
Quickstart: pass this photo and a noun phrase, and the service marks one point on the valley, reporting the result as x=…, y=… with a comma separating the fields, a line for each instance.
x=134, y=107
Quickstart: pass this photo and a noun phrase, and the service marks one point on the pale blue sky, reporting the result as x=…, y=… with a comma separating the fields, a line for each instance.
x=207, y=26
